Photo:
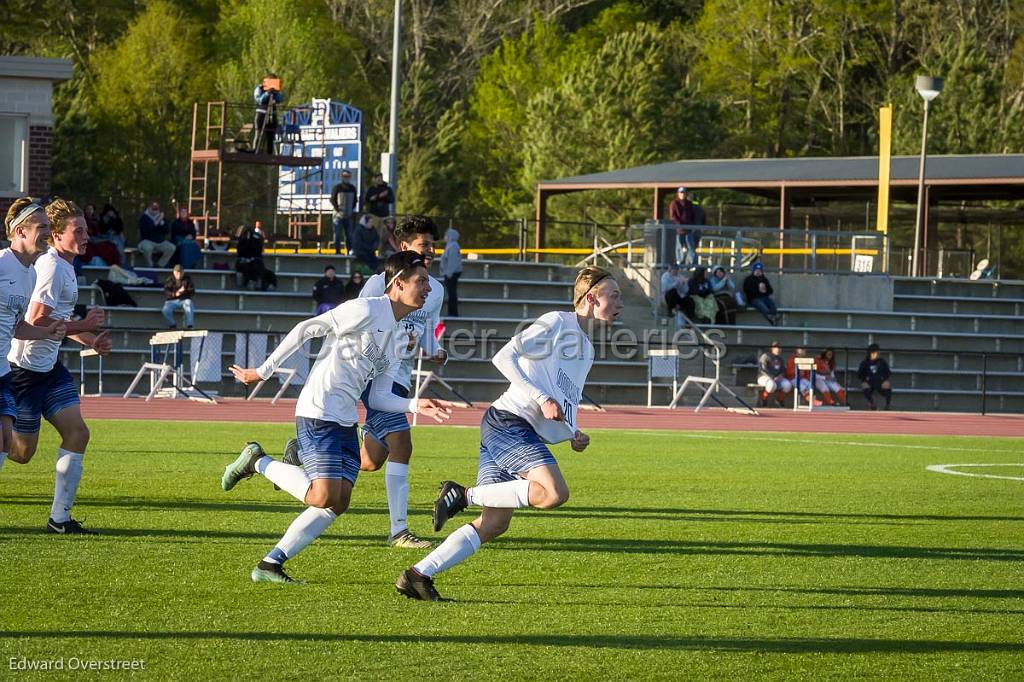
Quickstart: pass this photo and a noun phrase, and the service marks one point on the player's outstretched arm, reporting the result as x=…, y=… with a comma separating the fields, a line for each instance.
x=247, y=375
x=54, y=331
x=438, y=410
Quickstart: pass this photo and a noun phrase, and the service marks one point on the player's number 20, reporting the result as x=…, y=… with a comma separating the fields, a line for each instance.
x=569, y=410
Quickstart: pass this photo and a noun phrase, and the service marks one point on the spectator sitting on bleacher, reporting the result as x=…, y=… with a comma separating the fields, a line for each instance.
x=250, y=270
x=698, y=290
x=354, y=286
x=183, y=235
x=365, y=242
x=153, y=236
x=803, y=381
x=179, y=290
x=874, y=374
x=771, y=376
x=111, y=229
x=329, y=291
x=825, y=378
x=98, y=247
x=724, y=290
x=673, y=288
x=758, y=292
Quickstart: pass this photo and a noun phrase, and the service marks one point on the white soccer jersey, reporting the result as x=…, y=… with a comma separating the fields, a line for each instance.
x=57, y=287
x=16, y=284
x=360, y=345
x=419, y=323
x=551, y=359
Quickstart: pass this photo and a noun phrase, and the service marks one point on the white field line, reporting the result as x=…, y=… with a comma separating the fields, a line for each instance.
x=948, y=469
x=807, y=441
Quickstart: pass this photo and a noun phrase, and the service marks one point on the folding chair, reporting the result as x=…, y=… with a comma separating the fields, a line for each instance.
x=662, y=364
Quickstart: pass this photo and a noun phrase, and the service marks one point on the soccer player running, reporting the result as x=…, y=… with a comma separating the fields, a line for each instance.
x=386, y=435
x=28, y=230
x=547, y=366
x=362, y=342
x=41, y=384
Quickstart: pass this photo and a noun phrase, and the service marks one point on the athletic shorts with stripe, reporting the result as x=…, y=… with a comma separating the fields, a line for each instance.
x=8, y=406
x=509, y=447
x=327, y=449
x=379, y=424
x=41, y=394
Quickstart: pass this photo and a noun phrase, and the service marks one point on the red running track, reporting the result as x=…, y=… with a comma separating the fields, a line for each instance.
x=684, y=419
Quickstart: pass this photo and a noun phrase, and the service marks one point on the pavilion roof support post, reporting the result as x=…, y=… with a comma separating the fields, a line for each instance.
x=540, y=222
x=929, y=231
x=658, y=212
x=785, y=206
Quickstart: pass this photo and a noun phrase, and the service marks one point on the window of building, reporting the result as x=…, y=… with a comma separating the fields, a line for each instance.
x=13, y=151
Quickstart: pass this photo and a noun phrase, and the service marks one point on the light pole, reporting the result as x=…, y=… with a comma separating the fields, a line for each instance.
x=929, y=88
x=390, y=170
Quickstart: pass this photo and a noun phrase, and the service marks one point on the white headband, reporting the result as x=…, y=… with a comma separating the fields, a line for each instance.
x=24, y=214
x=415, y=263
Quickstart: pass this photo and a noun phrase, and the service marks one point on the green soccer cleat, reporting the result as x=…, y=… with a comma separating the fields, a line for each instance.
x=271, y=573
x=244, y=466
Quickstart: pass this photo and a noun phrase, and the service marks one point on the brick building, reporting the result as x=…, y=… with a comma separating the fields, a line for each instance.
x=26, y=125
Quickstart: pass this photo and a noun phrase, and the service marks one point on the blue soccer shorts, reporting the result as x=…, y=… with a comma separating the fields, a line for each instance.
x=509, y=447
x=41, y=394
x=8, y=406
x=379, y=424
x=328, y=449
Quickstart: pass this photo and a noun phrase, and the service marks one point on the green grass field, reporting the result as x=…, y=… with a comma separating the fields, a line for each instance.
x=680, y=555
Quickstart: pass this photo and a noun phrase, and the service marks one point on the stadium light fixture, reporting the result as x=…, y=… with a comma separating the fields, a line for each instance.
x=929, y=88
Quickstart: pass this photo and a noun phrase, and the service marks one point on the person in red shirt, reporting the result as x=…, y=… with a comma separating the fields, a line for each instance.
x=825, y=378
x=681, y=212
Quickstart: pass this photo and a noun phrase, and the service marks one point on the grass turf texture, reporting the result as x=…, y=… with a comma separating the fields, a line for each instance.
x=678, y=555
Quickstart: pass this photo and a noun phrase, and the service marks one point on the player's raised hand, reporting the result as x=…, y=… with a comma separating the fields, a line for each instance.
x=56, y=331
x=102, y=343
x=95, y=318
x=552, y=410
x=580, y=441
x=438, y=410
x=246, y=375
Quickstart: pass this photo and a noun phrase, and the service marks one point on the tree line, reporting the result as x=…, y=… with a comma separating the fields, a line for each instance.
x=500, y=94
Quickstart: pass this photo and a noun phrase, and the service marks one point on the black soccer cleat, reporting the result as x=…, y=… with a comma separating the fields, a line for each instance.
x=69, y=527
x=451, y=499
x=291, y=452
x=291, y=455
x=417, y=586
x=266, y=572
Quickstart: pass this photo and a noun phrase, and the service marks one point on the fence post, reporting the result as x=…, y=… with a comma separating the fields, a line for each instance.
x=522, y=239
x=814, y=252
x=846, y=374
x=984, y=382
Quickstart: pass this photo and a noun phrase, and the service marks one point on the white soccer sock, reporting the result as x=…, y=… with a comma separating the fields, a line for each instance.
x=65, y=484
x=456, y=548
x=396, y=482
x=306, y=527
x=507, y=495
x=3, y=458
x=289, y=478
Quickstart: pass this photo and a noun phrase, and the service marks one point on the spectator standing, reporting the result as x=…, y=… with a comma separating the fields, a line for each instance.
x=377, y=200
x=344, y=197
x=354, y=286
x=329, y=291
x=758, y=292
x=183, y=236
x=801, y=380
x=178, y=290
x=267, y=97
x=681, y=212
x=874, y=374
x=825, y=378
x=771, y=376
x=153, y=236
x=724, y=290
x=365, y=242
x=451, y=269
